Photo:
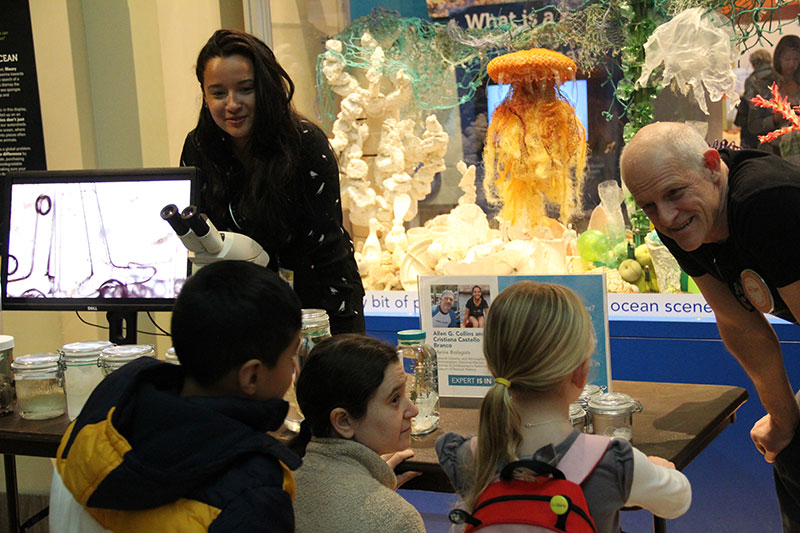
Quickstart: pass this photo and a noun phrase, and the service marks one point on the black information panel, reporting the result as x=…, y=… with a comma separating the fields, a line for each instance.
x=21, y=138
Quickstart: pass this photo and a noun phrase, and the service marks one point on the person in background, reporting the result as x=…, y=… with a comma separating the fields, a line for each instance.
x=786, y=63
x=757, y=83
x=538, y=343
x=352, y=391
x=443, y=314
x=269, y=173
x=476, y=309
x=724, y=215
x=163, y=447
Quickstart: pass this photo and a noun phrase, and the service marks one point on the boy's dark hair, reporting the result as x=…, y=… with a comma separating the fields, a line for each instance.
x=342, y=371
x=230, y=312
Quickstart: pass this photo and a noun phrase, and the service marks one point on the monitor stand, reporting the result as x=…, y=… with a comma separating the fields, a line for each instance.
x=121, y=327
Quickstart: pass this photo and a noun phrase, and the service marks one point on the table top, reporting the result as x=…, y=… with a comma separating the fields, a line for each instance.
x=39, y=438
x=678, y=421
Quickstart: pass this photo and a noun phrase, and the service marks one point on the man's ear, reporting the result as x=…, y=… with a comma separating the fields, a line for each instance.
x=342, y=423
x=711, y=160
x=249, y=375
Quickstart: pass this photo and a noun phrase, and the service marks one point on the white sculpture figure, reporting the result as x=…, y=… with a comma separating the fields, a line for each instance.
x=372, y=246
x=341, y=82
x=467, y=183
x=396, y=239
x=402, y=162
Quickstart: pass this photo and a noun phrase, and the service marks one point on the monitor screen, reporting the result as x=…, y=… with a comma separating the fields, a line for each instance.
x=575, y=93
x=93, y=239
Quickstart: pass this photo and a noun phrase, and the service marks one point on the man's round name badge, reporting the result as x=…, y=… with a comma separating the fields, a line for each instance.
x=757, y=291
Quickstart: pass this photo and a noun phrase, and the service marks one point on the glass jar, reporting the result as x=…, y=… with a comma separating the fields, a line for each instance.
x=316, y=327
x=577, y=416
x=6, y=380
x=40, y=386
x=171, y=357
x=113, y=357
x=612, y=414
x=419, y=364
x=589, y=391
x=81, y=373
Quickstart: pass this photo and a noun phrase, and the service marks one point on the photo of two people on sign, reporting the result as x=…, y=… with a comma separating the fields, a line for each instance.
x=460, y=306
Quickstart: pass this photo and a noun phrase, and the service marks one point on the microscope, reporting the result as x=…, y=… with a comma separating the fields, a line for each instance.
x=208, y=245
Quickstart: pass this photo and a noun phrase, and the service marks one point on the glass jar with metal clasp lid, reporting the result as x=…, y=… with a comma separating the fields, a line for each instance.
x=113, y=357
x=577, y=416
x=39, y=381
x=612, y=414
x=315, y=327
x=590, y=390
x=78, y=362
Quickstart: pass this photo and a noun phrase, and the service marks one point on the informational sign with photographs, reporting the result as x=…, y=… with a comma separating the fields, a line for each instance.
x=453, y=311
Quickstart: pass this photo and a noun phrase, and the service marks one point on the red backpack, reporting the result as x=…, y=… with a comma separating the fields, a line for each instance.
x=553, y=501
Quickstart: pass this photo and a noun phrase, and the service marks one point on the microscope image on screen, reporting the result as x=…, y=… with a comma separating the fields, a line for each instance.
x=94, y=240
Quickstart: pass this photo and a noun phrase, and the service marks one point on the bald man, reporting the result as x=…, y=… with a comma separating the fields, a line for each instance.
x=728, y=218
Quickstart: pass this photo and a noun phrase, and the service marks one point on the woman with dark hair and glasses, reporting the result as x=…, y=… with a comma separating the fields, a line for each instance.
x=352, y=391
x=269, y=173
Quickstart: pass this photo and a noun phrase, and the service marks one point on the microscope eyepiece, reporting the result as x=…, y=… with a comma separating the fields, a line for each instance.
x=172, y=216
x=196, y=220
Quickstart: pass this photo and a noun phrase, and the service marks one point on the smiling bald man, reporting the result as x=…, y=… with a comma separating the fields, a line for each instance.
x=727, y=216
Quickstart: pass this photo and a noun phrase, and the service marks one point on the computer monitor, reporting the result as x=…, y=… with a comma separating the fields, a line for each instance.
x=575, y=92
x=93, y=240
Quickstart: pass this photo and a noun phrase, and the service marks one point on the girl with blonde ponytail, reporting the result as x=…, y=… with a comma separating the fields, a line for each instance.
x=538, y=342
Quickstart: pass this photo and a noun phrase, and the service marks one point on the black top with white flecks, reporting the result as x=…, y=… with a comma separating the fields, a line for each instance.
x=319, y=251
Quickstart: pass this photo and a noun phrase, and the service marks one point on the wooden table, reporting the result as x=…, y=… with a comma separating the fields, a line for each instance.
x=677, y=423
x=38, y=438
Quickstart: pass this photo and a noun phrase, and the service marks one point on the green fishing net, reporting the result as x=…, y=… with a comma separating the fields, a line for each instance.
x=608, y=33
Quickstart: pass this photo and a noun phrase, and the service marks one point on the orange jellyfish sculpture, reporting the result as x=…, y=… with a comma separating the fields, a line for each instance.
x=535, y=149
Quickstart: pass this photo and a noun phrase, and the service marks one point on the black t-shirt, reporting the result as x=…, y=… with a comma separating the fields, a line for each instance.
x=763, y=211
x=476, y=310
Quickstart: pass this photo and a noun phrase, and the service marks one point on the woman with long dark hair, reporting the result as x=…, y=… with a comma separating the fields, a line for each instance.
x=267, y=172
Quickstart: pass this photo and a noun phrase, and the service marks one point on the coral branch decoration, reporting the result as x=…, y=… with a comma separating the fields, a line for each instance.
x=780, y=105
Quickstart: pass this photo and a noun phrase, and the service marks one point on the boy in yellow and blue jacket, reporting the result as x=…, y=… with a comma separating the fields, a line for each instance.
x=160, y=447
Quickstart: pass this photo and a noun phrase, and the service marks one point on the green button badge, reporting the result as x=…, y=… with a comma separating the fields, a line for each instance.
x=559, y=504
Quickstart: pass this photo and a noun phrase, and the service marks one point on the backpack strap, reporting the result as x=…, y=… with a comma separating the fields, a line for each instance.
x=583, y=456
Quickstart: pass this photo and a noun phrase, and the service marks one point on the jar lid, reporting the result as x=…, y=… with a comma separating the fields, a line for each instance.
x=84, y=348
x=590, y=389
x=6, y=342
x=576, y=410
x=127, y=352
x=612, y=402
x=36, y=361
x=408, y=335
x=314, y=318
x=171, y=356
